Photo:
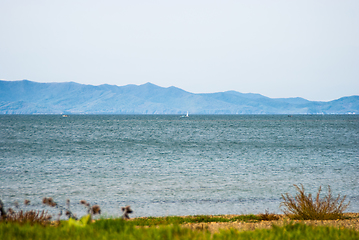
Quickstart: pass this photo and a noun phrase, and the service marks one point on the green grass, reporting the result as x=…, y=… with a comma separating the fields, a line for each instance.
x=102, y=229
x=151, y=221
x=292, y=231
x=119, y=229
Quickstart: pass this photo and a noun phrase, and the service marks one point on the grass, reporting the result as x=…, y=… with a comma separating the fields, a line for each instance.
x=304, y=207
x=121, y=229
x=153, y=221
x=297, y=231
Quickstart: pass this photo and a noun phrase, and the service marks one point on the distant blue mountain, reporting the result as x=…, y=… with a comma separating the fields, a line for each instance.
x=26, y=97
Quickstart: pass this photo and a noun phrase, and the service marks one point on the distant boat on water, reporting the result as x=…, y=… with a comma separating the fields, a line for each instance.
x=65, y=115
x=183, y=116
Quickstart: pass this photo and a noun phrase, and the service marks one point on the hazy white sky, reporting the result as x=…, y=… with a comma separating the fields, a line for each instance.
x=283, y=48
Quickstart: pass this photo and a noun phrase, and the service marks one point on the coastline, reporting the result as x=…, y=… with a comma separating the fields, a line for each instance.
x=351, y=222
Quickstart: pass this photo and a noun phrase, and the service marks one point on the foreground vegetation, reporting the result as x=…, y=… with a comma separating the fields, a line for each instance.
x=38, y=225
x=304, y=207
x=121, y=229
x=150, y=221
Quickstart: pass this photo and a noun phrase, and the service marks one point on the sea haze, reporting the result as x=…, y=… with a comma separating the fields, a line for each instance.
x=26, y=97
x=167, y=165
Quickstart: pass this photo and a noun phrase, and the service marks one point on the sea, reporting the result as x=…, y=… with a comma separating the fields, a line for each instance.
x=164, y=165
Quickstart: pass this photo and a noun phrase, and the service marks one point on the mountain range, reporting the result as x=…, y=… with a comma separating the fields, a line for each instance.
x=27, y=97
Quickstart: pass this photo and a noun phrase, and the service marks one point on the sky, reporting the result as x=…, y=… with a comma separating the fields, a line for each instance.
x=299, y=48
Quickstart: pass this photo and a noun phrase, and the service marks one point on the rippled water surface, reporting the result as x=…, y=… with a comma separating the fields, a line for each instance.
x=167, y=165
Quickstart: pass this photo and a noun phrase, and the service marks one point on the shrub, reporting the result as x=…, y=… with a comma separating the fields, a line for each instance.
x=30, y=217
x=268, y=216
x=304, y=207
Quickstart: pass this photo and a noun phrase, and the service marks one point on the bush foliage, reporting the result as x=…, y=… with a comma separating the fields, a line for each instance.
x=304, y=207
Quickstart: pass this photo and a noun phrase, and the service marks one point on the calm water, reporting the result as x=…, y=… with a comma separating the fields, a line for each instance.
x=167, y=165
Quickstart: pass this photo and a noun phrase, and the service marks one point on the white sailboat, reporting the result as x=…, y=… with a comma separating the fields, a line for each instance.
x=183, y=116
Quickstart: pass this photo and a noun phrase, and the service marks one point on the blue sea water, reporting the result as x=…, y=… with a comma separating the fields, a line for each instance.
x=166, y=165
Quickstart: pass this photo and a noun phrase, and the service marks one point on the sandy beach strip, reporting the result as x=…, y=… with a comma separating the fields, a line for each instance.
x=351, y=223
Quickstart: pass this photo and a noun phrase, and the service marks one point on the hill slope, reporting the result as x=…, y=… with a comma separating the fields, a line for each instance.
x=26, y=97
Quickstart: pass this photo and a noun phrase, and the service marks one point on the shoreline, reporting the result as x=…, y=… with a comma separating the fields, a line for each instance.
x=351, y=222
